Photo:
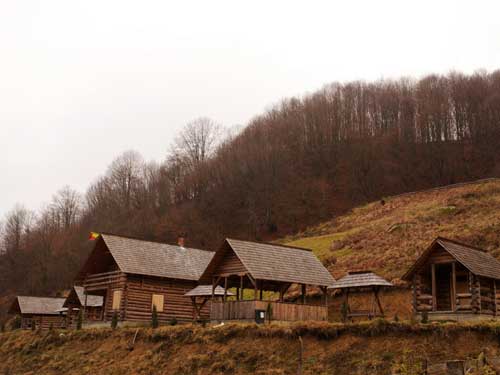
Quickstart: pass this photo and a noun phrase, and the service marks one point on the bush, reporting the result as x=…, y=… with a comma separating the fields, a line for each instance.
x=154, y=318
x=425, y=317
x=173, y=321
x=79, y=320
x=396, y=318
x=114, y=320
x=344, y=310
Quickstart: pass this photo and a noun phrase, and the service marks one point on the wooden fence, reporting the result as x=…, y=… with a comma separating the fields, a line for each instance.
x=280, y=311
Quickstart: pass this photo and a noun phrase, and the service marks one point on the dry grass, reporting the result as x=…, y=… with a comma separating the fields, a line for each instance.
x=363, y=348
x=388, y=238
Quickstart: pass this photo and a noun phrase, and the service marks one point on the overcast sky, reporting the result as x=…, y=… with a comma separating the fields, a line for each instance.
x=83, y=81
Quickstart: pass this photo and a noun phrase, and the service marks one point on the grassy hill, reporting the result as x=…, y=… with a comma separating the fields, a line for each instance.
x=387, y=237
x=379, y=347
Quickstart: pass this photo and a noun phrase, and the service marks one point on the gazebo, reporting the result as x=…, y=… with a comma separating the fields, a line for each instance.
x=201, y=295
x=361, y=281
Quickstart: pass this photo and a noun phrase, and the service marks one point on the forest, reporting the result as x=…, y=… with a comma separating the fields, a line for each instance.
x=305, y=160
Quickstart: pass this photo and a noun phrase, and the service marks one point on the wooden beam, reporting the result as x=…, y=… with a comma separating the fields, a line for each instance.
x=254, y=290
x=495, y=297
x=453, y=288
x=225, y=288
x=303, y=287
x=377, y=299
x=433, y=274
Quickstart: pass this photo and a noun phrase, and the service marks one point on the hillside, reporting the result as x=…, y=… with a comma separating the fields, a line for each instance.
x=375, y=348
x=387, y=238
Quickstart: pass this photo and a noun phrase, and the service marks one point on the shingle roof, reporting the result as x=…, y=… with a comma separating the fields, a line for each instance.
x=475, y=260
x=358, y=280
x=206, y=290
x=92, y=300
x=39, y=305
x=157, y=259
x=281, y=263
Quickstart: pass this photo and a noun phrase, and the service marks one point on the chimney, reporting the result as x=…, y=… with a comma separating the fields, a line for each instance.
x=181, y=239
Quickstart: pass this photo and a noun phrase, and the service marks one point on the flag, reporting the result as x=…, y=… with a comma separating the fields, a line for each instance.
x=93, y=236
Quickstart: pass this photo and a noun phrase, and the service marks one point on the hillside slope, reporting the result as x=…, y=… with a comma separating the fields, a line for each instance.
x=376, y=348
x=387, y=237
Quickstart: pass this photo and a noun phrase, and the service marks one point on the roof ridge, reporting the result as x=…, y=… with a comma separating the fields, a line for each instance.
x=151, y=241
x=270, y=244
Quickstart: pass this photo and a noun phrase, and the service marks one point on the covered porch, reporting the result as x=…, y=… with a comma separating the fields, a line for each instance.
x=260, y=275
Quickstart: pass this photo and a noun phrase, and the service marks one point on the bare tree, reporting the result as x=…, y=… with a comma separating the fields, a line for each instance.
x=198, y=141
x=17, y=224
x=67, y=204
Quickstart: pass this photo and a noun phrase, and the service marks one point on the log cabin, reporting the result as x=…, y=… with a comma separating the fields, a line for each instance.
x=77, y=301
x=39, y=312
x=133, y=275
x=455, y=281
x=261, y=274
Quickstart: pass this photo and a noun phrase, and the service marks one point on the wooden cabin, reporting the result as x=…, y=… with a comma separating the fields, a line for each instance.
x=261, y=274
x=455, y=281
x=90, y=305
x=39, y=312
x=133, y=275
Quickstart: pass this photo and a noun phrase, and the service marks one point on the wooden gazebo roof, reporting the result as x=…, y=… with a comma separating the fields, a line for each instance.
x=273, y=262
x=476, y=260
x=37, y=305
x=360, y=279
x=206, y=291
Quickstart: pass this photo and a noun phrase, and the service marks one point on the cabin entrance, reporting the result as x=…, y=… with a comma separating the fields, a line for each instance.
x=443, y=287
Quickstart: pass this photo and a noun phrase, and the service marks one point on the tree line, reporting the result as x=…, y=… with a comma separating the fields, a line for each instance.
x=299, y=163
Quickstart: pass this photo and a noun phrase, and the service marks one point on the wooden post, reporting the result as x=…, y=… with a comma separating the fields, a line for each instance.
x=414, y=290
x=434, y=298
x=225, y=288
x=213, y=287
x=303, y=294
x=495, y=297
x=84, y=305
x=241, y=287
x=377, y=299
x=255, y=290
x=260, y=292
x=453, y=288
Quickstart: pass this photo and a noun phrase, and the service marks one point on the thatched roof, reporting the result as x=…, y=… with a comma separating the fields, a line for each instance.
x=360, y=279
x=476, y=260
x=76, y=295
x=149, y=258
x=37, y=305
x=273, y=262
x=206, y=291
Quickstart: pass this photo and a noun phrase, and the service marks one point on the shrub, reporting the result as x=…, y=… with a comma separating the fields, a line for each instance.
x=344, y=310
x=396, y=318
x=51, y=327
x=425, y=317
x=79, y=320
x=16, y=323
x=114, y=320
x=154, y=318
x=173, y=321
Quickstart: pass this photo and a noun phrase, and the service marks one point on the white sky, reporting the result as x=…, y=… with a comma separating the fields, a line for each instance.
x=83, y=81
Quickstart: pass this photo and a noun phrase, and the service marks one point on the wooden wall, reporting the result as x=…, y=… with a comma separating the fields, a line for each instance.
x=230, y=265
x=138, y=299
x=43, y=322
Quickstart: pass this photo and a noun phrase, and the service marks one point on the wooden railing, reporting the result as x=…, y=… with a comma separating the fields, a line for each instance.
x=98, y=281
x=245, y=310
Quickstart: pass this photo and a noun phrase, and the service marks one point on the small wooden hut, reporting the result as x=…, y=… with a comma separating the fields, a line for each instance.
x=455, y=281
x=133, y=275
x=78, y=301
x=39, y=312
x=362, y=281
x=267, y=270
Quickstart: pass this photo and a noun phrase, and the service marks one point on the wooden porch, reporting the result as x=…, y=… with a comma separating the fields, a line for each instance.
x=279, y=311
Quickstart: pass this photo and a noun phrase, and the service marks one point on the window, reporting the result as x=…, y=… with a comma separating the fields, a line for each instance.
x=117, y=299
x=157, y=300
